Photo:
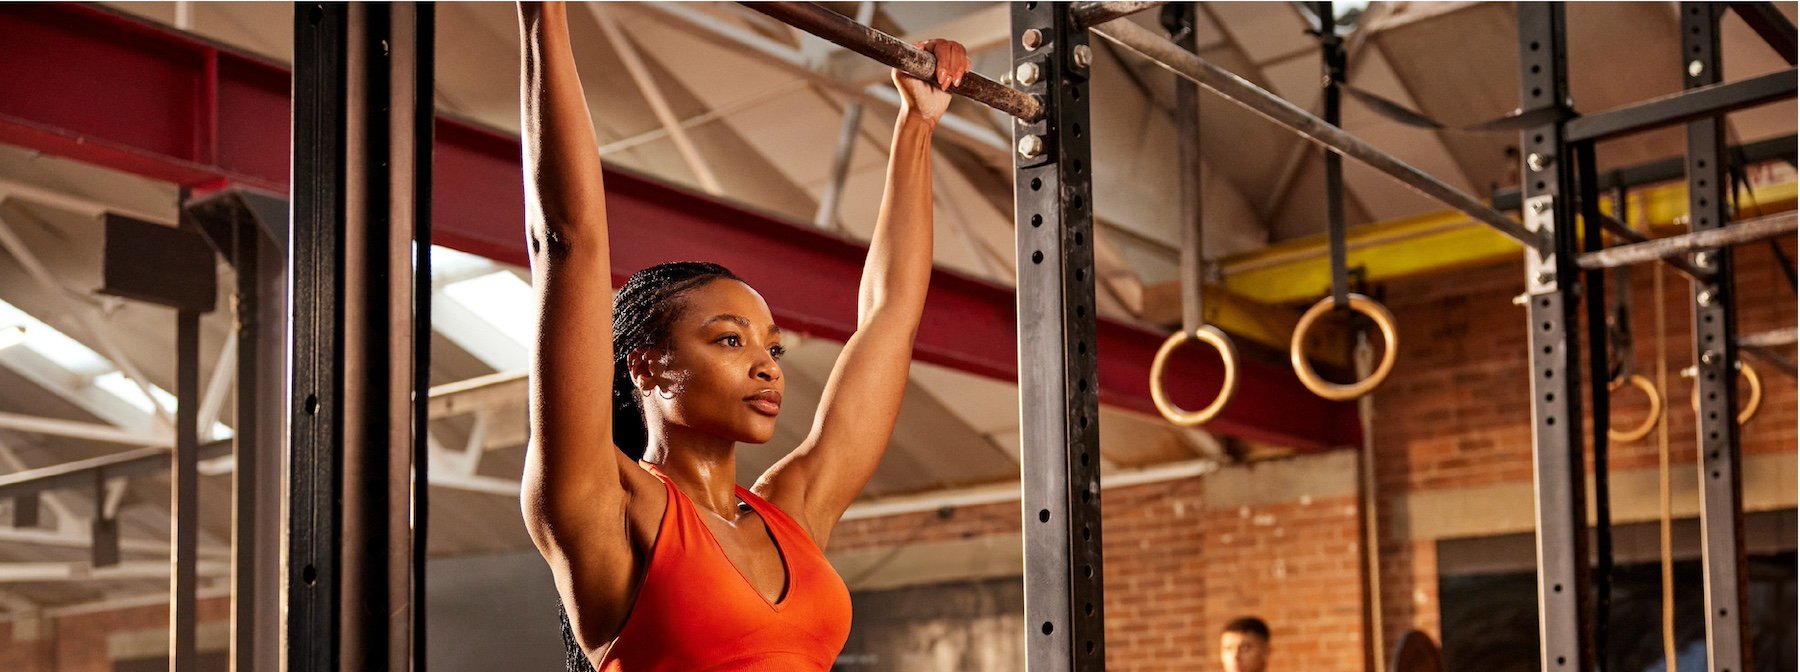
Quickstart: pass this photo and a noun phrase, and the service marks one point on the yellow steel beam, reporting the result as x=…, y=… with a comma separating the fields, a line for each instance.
x=1243, y=318
x=1300, y=269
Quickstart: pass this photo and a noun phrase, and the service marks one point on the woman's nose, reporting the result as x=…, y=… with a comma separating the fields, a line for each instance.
x=767, y=369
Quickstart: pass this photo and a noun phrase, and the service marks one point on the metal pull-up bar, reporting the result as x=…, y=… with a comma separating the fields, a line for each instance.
x=895, y=53
x=1177, y=60
x=1747, y=231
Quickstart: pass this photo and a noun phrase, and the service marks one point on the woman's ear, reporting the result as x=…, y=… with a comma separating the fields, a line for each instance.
x=648, y=368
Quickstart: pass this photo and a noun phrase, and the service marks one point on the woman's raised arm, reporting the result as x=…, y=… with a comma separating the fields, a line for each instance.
x=573, y=493
x=862, y=397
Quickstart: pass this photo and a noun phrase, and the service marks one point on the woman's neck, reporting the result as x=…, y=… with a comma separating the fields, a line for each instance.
x=703, y=466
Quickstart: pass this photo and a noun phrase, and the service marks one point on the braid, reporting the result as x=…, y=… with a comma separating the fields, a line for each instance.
x=643, y=311
x=573, y=659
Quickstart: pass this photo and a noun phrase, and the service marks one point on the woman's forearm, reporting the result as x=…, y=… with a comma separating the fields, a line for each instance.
x=563, y=201
x=898, y=268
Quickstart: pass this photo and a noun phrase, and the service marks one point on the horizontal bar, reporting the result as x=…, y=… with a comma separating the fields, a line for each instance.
x=1677, y=108
x=892, y=52
x=1781, y=148
x=1742, y=232
x=505, y=388
x=1771, y=25
x=1008, y=491
x=138, y=570
x=1768, y=339
x=81, y=473
x=1090, y=14
x=1196, y=69
x=1678, y=263
x=86, y=431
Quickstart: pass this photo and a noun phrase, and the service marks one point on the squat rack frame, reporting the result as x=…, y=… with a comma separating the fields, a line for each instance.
x=1053, y=196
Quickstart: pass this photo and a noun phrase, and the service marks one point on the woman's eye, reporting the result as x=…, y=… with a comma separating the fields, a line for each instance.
x=731, y=340
x=777, y=351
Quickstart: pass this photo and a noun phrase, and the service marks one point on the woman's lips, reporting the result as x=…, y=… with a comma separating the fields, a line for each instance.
x=767, y=402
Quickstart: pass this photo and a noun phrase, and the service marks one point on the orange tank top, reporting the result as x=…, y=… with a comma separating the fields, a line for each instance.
x=696, y=611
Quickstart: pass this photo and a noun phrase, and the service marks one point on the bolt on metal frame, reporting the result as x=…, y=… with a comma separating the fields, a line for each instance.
x=1716, y=353
x=1552, y=294
x=1058, y=381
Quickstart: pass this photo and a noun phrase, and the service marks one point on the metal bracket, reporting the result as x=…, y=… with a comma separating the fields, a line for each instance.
x=1540, y=268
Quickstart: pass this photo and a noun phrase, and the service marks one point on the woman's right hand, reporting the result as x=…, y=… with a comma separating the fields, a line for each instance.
x=929, y=99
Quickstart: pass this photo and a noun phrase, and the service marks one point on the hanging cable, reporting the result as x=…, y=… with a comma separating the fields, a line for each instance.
x=1662, y=478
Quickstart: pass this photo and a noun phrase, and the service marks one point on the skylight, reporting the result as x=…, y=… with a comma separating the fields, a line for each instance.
x=52, y=344
x=446, y=262
x=501, y=299
x=81, y=360
x=125, y=389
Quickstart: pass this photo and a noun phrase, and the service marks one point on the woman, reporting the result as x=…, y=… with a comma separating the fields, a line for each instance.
x=661, y=560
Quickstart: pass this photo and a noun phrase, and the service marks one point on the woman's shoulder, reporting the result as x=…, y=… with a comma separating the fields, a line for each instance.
x=646, y=503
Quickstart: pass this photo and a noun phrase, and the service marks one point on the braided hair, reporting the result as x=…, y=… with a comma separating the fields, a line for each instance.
x=643, y=312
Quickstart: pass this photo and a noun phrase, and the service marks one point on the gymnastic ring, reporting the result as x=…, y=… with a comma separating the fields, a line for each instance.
x=1331, y=390
x=1750, y=407
x=1227, y=352
x=1656, y=409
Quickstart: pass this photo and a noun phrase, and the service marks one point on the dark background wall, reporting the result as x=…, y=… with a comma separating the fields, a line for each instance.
x=492, y=612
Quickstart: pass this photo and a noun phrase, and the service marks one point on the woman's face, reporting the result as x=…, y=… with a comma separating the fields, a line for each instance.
x=721, y=373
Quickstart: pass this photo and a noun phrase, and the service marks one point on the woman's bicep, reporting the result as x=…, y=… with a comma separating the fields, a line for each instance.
x=853, y=424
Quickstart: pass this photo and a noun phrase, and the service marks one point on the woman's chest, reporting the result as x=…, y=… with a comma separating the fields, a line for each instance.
x=753, y=552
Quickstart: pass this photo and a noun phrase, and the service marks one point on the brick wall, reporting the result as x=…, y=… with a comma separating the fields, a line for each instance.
x=1455, y=412
x=1454, y=415
x=79, y=642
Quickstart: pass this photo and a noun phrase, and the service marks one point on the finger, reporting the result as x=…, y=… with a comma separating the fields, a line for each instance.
x=958, y=58
x=947, y=56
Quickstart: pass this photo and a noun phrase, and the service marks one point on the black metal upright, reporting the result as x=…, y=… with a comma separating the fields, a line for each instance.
x=362, y=71
x=250, y=229
x=1715, y=353
x=316, y=239
x=175, y=268
x=1552, y=290
x=1058, y=384
x=184, y=491
x=1332, y=58
x=1599, y=379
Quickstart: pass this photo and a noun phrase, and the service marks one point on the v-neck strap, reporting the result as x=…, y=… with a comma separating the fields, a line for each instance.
x=695, y=534
x=688, y=615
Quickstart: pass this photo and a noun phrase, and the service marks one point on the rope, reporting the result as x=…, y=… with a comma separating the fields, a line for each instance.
x=1662, y=483
x=1365, y=412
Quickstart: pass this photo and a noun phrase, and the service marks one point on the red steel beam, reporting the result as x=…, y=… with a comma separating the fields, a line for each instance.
x=99, y=87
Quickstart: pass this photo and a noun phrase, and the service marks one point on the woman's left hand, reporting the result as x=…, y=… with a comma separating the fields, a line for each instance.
x=930, y=99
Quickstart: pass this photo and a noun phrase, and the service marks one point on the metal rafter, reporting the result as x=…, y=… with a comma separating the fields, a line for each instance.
x=659, y=105
x=84, y=314
x=793, y=61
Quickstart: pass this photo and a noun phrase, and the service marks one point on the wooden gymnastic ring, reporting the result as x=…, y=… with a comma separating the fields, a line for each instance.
x=1227, y=352
x=1331, y=390
x=1751, y=406
x=1656, y=409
